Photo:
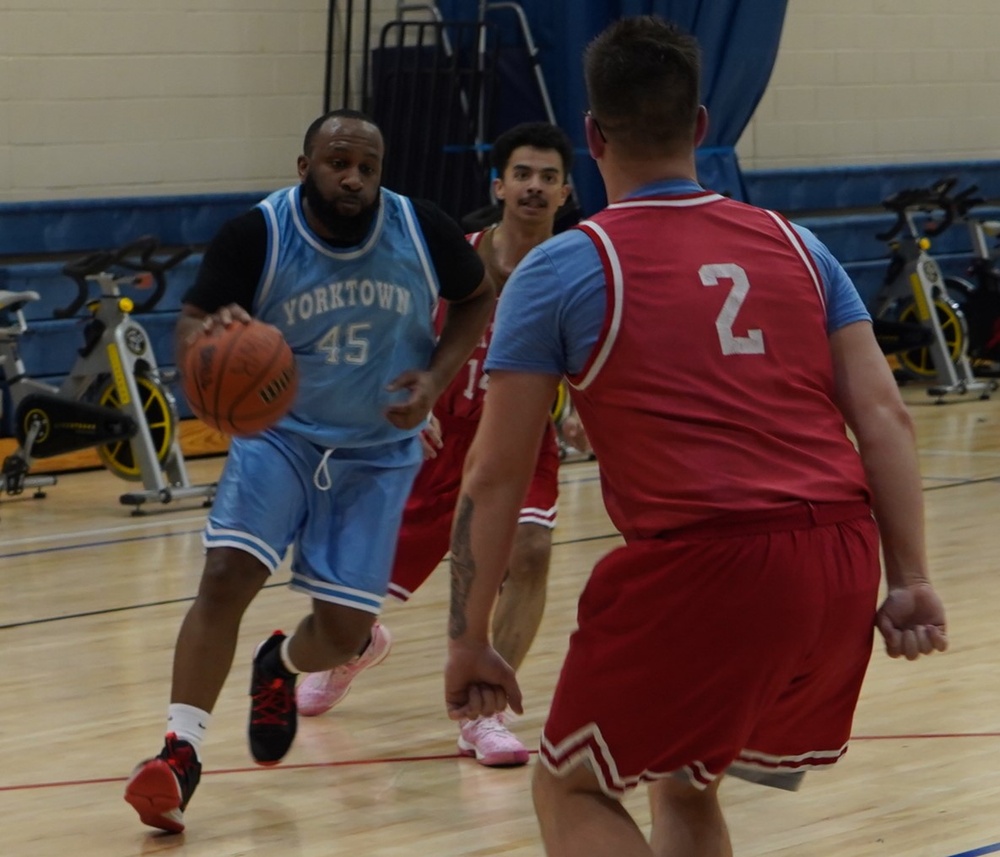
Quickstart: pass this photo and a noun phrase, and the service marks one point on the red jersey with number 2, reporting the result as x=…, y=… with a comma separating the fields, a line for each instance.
x=711, y=390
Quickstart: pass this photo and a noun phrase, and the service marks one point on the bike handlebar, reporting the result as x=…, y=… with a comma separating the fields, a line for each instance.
x=964, y=201
x=921, y=199
x=135, y=256
x=956, y=206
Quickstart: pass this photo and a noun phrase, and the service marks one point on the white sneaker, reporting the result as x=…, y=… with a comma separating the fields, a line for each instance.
x=318, y=692
x=491, y=742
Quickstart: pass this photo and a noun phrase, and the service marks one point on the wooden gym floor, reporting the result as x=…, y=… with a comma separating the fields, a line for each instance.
x=90, y=603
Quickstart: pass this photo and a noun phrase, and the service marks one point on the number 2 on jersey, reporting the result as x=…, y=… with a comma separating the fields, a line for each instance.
x=753, y=342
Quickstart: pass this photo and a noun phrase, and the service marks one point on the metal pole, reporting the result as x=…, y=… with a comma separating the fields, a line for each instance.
x=481, y=64
x=348, y=21
x=365, y=53
x=532, y=49
x=331, y=11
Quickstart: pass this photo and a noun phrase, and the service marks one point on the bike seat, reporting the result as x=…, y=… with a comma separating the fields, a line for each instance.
x=16, y=300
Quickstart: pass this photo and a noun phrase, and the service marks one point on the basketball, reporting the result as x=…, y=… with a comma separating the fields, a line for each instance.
x=240, y=379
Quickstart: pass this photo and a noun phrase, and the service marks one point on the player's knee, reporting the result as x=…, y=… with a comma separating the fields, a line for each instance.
x=544, y=790
x=677, y=794
x=549, y=791
x=231, y=579
x=532, y=553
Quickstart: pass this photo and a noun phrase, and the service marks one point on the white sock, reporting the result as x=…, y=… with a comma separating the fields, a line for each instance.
x=286, y=659
x=188, y=723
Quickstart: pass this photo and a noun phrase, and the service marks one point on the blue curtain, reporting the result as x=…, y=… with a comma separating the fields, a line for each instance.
x=739, y=40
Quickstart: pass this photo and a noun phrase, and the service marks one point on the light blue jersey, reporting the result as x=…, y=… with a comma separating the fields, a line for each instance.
x=355, y=318
x=332, y=477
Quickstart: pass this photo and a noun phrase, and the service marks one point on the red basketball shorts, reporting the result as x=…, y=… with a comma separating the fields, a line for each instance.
x=739, y=650
x=426, y=529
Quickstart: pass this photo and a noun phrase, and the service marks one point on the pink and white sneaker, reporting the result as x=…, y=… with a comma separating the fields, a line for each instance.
x=491, y=742
x=318, y=692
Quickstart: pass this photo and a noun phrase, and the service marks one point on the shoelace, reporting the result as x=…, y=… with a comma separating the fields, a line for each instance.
x=179, y=757
x=272, y=703
x=491, y=725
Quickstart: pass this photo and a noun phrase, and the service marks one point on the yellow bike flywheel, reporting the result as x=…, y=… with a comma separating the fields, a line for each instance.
x=919, y=361
x=159, y=414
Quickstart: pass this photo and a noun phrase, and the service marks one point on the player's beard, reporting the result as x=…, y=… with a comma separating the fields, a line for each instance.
x=344, y=229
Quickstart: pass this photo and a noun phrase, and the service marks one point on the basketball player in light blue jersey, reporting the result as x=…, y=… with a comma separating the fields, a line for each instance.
x=350, y=272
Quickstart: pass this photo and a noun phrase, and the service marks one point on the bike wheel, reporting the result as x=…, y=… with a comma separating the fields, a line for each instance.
x=919, y=361
x=158, y=410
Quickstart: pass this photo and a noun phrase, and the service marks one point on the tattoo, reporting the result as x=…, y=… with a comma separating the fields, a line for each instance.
x=463, y=568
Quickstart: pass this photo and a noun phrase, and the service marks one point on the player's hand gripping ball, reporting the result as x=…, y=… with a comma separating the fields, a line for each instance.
x=240, y=379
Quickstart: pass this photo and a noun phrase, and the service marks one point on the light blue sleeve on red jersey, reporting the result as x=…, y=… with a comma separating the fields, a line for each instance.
x=551, y=311
x=843, y=303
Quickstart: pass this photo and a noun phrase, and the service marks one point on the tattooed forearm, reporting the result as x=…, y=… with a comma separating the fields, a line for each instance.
x=463, y=568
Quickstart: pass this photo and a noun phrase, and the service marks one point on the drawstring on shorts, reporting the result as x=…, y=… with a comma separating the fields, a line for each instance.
x=321, y=478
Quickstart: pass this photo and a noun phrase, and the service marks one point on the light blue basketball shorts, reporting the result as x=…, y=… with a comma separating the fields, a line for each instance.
x=340, y=510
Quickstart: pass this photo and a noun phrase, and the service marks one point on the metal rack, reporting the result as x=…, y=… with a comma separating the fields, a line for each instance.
x=432, y=85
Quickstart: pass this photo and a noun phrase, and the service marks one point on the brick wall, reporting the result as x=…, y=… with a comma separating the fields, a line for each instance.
x=140, y=97
x=878, y=81
x=134, y=97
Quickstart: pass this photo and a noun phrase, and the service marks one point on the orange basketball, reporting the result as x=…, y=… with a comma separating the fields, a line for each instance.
x=240, y=379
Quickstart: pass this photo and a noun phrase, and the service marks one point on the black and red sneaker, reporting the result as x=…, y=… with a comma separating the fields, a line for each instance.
x=160, y=788
x=273, y=716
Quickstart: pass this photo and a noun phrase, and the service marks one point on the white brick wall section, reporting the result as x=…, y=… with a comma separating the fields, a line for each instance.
x=145, y=97
x=900, y=81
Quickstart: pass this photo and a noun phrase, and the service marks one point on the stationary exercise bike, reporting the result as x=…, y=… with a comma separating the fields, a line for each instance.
x=115, y=397
x=980, y=293
x=916, y=317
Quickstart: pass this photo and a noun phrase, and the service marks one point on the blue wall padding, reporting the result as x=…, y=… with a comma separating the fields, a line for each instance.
x=57, y=290
x=851, y=237
x=845, y=187
x=842, y=205
x=70, y=226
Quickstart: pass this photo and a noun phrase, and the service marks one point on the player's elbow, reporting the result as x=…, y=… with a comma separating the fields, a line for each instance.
x=490, y=475
x=886, y=421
